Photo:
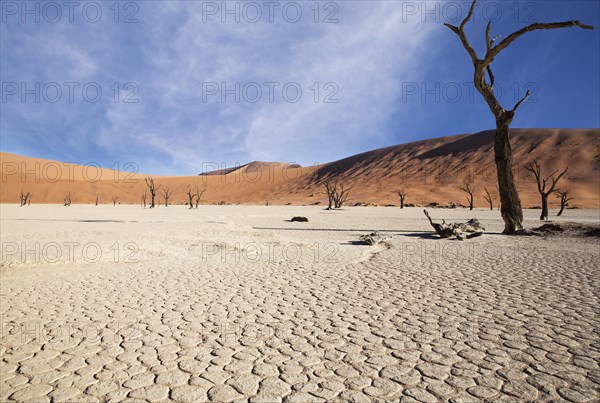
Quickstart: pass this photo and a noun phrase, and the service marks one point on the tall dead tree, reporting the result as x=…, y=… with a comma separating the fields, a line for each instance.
x=469, y=189
x=512, y=212
x=25, y=198
x=535, y=167
x=114, y=200
x=564, y=199
x=488, y=198
x=96, y=200
x=152, y=188
x=402, y=195
x=67, y=199
x=144, y=196
x=166, y=194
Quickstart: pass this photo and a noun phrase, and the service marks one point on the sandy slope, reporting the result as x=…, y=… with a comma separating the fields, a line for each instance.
x=431, y=171
x=233, y=302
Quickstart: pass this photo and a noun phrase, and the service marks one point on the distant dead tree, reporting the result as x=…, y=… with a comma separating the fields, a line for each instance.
x=166, y=194
x=330, y=192
x=114, y=200
x=67, y=199
x=469, y=189
x=191, y=197
x=402, y=195
x=144, y=196
x=153, y=189
x=512, y=213
x=535, y=167
x=336, y=194
x=199, y=195
x=340, y=195
x=96, y=200
x=488, y=198
x=564, y=199
x=25, y=198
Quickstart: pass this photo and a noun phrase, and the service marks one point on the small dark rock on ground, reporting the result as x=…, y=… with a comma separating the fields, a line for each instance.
x=299, y=219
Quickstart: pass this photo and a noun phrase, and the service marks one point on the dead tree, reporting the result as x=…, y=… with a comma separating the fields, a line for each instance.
x=114, y=200
x=96, y=200
x=488, y=198
x=144, y=196
x=336, y=194
x=512, y=212
x=25, y=198
x=330, y=192
x=199, y=195
x=564, y=199
x=153, y=189
x=340, y=195
x=535, y=167
x=402, y=195
x=469, y=188
x=191, y=197
x=166, y=194
x=67, y=199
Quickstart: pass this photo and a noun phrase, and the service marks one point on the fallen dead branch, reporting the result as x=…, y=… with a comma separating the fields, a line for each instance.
x=470, y=229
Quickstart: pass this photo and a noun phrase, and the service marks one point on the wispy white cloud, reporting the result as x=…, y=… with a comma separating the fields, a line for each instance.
x=363, y=56
x=175, y=48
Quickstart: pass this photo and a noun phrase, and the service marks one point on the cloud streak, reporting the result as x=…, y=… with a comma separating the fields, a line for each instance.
x=176, y=47
x=165, y=60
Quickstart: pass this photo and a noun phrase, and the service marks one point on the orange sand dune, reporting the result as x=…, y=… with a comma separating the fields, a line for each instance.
x=430, y=170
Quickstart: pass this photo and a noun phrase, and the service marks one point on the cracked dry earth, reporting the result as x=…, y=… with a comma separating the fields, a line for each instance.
x=235, y=304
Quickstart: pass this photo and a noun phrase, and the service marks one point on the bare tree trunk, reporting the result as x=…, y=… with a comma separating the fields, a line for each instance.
x=562, y=208
x=544, y=215
x=510, y=203
x=402, y=194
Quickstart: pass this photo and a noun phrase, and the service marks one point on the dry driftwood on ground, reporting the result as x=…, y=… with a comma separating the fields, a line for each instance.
x=470, y=229
x=373, y=238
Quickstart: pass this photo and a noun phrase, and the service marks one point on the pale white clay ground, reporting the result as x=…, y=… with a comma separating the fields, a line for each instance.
x=229, y=303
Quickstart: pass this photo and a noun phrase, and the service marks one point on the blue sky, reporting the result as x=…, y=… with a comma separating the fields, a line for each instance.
x=390, y=71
